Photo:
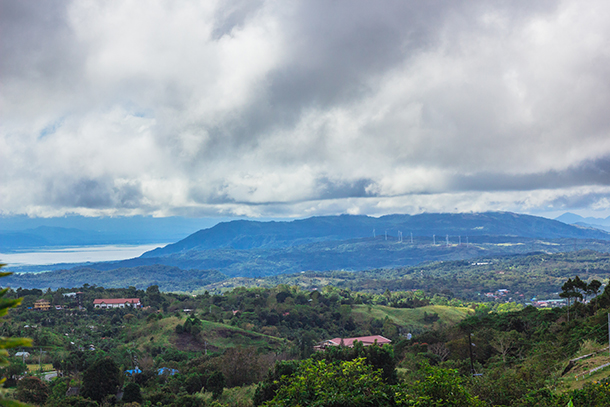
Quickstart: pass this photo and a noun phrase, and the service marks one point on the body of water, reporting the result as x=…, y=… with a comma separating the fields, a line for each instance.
x=80, y=254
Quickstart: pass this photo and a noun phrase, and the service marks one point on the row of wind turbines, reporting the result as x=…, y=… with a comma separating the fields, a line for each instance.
x=400, y=238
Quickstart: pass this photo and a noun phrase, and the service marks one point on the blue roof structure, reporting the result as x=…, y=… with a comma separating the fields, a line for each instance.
x=132, y=372
x=168, y=371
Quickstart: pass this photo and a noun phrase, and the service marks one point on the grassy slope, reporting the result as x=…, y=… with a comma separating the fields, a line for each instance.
x=578, y=376
x=411, y=317
x=218, y=336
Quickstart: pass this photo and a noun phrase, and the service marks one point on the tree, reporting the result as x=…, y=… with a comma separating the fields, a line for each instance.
x=216, y=384
x=78, y=401
x=569, y=291
x=593, y=289
x=132, y=393
x=439, y=387
x=503, y=342
x=267, y=389
x=241, y=366
x=100, y=380
x=8, y=343
x=31, y=389
x=439, y=349
x=13, y=371
x=193, y=383
x=349, y=383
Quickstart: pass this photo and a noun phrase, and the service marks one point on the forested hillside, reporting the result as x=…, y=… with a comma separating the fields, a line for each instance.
x=525, y=277
x=254, y=346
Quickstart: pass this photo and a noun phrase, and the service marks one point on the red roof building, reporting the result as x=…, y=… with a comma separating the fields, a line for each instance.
x=349, y=342
x=117, y=303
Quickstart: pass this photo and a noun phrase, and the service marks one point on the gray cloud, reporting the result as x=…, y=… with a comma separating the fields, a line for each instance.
x=94, y=194
x=261, y=108
x=590, y=172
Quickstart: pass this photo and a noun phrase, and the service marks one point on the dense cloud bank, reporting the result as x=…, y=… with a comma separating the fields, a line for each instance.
x=277, y=108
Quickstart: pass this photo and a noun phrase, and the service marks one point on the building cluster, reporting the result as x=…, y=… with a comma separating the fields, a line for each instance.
x=349, y=342
x=549, y=303
x=45, y=305
x=117, y=303
x=505, y=295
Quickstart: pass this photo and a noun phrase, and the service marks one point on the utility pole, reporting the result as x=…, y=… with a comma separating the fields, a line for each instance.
x=411, y=237
x=434, y=240
x=471, y=358
x=447, y=237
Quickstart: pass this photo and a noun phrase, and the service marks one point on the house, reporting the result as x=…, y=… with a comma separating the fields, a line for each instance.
x=349, y=342
x=42, y=305
x=117, y=303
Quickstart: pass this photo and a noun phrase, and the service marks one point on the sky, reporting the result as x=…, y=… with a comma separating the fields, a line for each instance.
x=277, y=109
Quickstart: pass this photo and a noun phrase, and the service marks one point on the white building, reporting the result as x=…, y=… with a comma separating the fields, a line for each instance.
x=117, y=303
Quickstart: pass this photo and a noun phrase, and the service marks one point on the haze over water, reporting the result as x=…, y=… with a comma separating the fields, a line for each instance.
x=79, y=254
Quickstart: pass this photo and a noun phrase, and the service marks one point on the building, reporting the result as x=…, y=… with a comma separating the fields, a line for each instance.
x=167, y=371
x=42, y=305
x=117, y=303
x=132, y=372
x=75, y=297
x=349, y=342
x=22, y=355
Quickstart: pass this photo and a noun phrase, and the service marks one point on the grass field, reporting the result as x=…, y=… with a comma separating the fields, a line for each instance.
x=218, y=336
x=236, y=396
x=579, y=375
x=46, y=367
x=411, y=317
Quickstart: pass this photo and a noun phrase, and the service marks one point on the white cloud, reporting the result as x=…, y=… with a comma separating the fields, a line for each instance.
x=273, y=108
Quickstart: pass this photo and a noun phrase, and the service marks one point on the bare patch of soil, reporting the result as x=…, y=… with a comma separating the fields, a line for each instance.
x=186, y=342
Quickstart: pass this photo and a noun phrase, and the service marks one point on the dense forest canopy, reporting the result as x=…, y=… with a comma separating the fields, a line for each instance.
x=255, y=346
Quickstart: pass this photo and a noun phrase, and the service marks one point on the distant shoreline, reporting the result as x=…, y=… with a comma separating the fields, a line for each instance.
x=74, y=255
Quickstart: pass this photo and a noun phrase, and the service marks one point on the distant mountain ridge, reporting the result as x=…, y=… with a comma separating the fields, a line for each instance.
x=25, y=233
x=588, y=222
x=48, y=236
x=326, y=243
x=245, y=235
x=572, y=218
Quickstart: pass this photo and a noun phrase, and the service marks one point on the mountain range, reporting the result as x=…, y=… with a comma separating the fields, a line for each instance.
x=25, y=233
x=244, y=235
x=352, y=243
x=589, y=222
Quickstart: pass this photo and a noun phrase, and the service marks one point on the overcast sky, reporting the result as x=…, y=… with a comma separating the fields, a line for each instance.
x=299, y=108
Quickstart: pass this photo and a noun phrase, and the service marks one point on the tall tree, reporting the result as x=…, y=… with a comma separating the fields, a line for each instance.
x=132, y=393
x=100, y=380
x=593, y=289
x=569, y=290
x=31, y=389
x=8, y=343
